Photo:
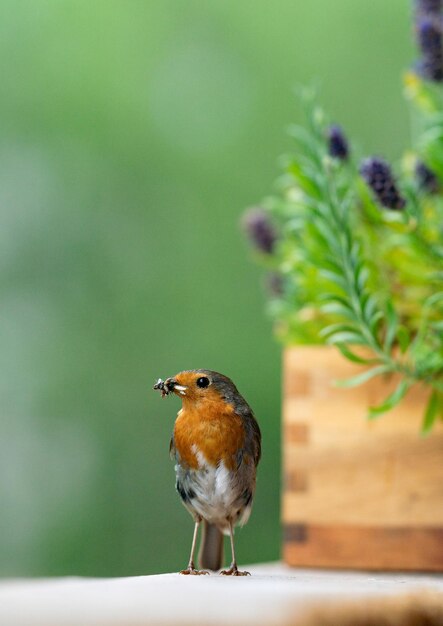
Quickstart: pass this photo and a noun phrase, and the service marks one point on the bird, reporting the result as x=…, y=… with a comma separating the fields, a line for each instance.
x=216, y=446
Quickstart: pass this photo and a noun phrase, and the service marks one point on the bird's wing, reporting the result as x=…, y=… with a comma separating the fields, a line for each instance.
x=252, y=444
x=253, y=438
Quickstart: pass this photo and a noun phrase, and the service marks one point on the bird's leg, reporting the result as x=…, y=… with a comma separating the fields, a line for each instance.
x=191, y=567
x=233, y=570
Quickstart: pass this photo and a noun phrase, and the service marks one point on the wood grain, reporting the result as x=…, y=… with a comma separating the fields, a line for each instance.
x=347, y=478
x=364, y=547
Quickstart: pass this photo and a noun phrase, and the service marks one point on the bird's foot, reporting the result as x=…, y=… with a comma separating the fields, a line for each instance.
x=191, y=571
x=233, y=571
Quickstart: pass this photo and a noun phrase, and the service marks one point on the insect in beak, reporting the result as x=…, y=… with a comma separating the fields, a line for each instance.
x=160, y=386
x=169, y=385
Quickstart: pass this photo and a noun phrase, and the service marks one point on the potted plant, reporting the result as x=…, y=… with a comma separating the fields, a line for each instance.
x=355, y=261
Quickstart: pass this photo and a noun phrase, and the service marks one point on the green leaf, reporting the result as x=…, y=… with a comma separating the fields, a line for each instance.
x=362, y=276
x=348, y=337
x=302, y=137
x=373, y=323
x=403, y=338
x=436, y=298
x=430, y=413
x=392, y=323
x=336, y=308
x=335, y=328
x=355, y=252
x=324, y=211
x=334, y=297
x=331, y=263
x=335, y=278
x=307, y=184
x=369, y=308
x=391, y=401
x=327, y=234
x=351, y=356
x=363, y=377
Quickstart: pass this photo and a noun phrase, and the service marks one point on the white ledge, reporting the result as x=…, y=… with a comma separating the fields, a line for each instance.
x=272, y=594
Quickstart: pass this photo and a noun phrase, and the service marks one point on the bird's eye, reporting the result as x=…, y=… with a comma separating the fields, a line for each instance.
x=202, y=382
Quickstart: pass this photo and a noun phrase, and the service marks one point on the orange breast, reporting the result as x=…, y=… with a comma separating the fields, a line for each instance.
x=212, y=429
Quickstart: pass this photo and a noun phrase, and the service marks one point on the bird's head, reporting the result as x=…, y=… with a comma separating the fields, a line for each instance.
x=200, y=387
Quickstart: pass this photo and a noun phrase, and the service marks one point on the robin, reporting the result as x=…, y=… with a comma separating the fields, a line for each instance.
x=216, y=445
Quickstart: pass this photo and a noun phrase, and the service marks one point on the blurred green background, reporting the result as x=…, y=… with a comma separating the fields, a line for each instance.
x=132, y=135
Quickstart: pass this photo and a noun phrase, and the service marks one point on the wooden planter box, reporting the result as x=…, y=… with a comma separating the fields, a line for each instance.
x=357, y=494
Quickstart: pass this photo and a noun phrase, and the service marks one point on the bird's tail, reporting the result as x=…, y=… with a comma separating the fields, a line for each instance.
x=211, y=547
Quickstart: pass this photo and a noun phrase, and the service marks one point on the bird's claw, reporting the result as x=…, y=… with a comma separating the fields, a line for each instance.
x=233, y=571
x=191, y=571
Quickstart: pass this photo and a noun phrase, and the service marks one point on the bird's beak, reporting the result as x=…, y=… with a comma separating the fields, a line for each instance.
x=172, y=385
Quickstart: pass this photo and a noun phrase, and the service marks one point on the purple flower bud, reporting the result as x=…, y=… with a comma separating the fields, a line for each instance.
x=427, y=180
x=337, y=143
x=259, y=229
x=430, y=41
x=429, y=36
x=274, y=284
x=378, y=176
x=430, y=69
x=429, y=6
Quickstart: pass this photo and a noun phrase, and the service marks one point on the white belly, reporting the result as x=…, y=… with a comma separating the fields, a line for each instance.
x=216, y=493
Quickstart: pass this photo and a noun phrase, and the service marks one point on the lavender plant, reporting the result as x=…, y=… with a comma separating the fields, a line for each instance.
x=355, y=253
